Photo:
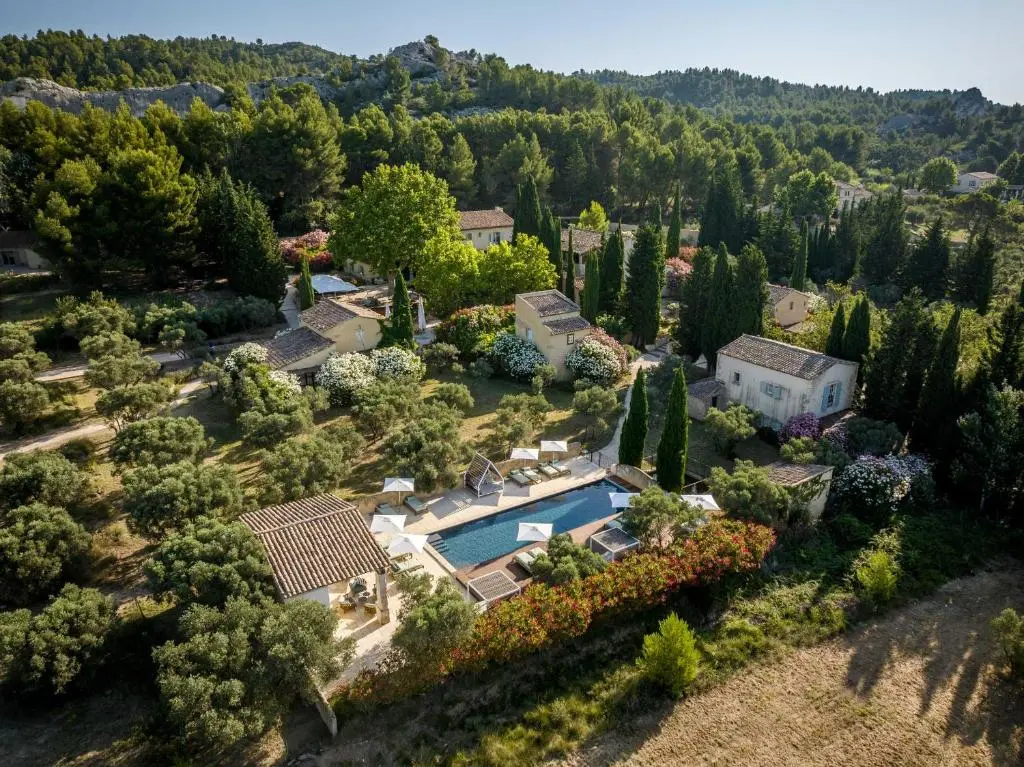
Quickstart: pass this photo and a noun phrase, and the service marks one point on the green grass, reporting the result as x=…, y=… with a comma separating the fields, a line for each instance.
x=28, y=308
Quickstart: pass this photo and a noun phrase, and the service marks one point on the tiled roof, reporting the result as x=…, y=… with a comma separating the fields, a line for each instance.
x=982, y=175
x=491, y=218
x=548, y=302
x=791, y=474
x=315, y=542
x=784, y=358
x=293, y=345
x=706, y=388
x=326, y=315
x=583, y=240
x=565, y=325
x=777, y=292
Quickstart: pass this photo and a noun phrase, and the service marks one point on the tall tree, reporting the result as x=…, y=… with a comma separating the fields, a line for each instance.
x=846, y=249
x=634, y=428
x=937, y=175
x=611, y=273
x=779, y=240
x=976, y=271
x=885, y=246
x=723, y=208
x=935, y=423
x=591, y=287
x=1004, y=358
x=552, y=239
x=306, y=295
x=527, y=219
x=857, y=338
x=719, y=327
x=836, y=331
x=798, y=277
x=568, y=270
x=819, y=260
x=646, y=279
x=929, y=263
x=459, y=169
x=400, y=329
x=674, y=436
x=675, y=228
x=594, y=218
x=750, y=290
x=694, y=306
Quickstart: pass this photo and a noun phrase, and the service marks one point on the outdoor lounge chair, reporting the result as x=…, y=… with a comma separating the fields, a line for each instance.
x=414, y=503
x=525, y=560
x=520, y=478
x=407, y=566
x=533, y=475
x=387, y=508
x=551, y=470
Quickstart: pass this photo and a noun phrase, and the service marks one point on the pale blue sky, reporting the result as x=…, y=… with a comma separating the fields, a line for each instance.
x=886, y=44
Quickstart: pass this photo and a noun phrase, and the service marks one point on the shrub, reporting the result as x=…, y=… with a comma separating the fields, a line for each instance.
x=670, y=656
x=45, y=477
x=749, y=493
x=594, y=362
x=873, y=488
x=397, y=364
x=543, y=375
x=40, y=548
x=656, y=518
x=303, y=466
x=567, y=561
x=730, y=427
x=878, y=577
x=241, y=314
x=159, y=441
x=466, y=327
x=803, y=425
x=1008, y=628
x=454, y=395
x=343, y=375
x=439, y=355
x=79, y=451
x=433, y=621
x=865, y=436
x=481, y=368
x=516, y=357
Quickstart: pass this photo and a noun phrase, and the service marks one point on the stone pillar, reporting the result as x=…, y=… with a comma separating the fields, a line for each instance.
x=383, y=614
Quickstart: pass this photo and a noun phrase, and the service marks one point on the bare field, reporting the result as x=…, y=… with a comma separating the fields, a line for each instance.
x=918, y=688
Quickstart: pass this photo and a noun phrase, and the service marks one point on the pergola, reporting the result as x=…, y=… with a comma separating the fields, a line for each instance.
x=317, y=543
x=613, y=543
x=493, y=586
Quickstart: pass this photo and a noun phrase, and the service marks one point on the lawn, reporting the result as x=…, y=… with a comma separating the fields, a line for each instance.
x=28, y=308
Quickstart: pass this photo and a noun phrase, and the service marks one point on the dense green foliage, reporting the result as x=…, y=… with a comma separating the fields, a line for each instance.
x=671, y=461
x=670, y=657
x=634, y=428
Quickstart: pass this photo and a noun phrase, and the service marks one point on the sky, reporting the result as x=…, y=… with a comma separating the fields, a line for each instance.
x=884, y=44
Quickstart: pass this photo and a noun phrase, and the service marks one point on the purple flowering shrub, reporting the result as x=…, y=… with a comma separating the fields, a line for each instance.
x=803, y=425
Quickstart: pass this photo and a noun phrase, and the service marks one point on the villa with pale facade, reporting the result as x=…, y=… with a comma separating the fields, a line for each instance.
x=553, y=323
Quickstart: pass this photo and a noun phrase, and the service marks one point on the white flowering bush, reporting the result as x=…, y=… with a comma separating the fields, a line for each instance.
x=285, y=383
x=396, y=363
x=516, y=356
x=342, y=375
x=592, y=361
x=247, y=354
x=873, y=488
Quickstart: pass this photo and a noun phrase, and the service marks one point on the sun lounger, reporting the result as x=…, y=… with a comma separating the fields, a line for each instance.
x=525, y=560
x=414, y=503
x=408, y=566
x=533, y=476
x=520, y=478
x=562, y=470
x=387, y=508
x=548, y=471
x=536, y=552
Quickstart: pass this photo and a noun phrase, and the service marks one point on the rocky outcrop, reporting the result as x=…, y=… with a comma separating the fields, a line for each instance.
x=179, y=97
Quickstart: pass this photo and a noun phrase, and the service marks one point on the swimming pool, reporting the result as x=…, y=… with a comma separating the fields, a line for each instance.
x=491, y=537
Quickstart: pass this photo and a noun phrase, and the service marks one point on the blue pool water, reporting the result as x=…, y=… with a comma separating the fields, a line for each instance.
x=495, y=536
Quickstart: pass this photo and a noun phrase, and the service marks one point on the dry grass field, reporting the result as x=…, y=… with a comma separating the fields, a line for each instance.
x=918, y=688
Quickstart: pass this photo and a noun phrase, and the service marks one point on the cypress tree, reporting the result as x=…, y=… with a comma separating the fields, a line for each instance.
x=568, y=269
x=1004, y=359
x=719, y=327
x=673, y=443
x=836, y=331
x=611, y=273
x=885, y=246
x=798, y=278
x=646, y=279
x=591, y=287
x=750, y=291
x=929, y=263
x=634, y=429
x=721, y=221
x=889, y=385
x=527, y=219
x=779, y=241
x=845, y=250
x=694, y=305
x=400, y=331
x=675, y=228
x=306, y=295
x=976, y=272
x=935, y=423
x=857, y=338
x=551, y=236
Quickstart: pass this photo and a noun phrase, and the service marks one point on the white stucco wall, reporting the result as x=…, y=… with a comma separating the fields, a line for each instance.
x=321, y=595
x=483, y=238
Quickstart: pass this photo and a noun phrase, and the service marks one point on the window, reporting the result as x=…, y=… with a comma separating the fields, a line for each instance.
x=495, y=237
x=570, y=339
x=970, y=183
x=735, y=378
x=714, y=401
x=8, y=257
x=791, y=305
x=772, y=390
x=832, y=395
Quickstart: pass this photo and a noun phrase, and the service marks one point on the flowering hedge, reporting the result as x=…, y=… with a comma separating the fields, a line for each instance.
x=312, y=245
x=676, y=272
x=590, y=360
x=396, y=363
x=516, y=356
x=802, y=425
x=874, y=488
x=342, y=375
x=467, y=329
x=246, y=354
x=543, y=615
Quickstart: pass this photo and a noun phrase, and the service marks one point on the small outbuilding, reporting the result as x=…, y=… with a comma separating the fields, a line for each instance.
x=813, y=480
x=613, y=543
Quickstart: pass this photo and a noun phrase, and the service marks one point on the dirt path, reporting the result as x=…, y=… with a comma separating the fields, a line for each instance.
x=916, y=689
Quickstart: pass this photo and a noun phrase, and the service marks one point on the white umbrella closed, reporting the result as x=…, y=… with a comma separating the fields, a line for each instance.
x=554, y=446
x=534, y=531
x=621, y=500
x=421, y=316
x=387, y=523
x=524, y=454
x=407, y=543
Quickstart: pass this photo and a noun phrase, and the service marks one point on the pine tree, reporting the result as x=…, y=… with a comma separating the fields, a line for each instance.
x=675, y=228
x=306, y=295
x=694, y=306
x=798, y=278
x=673, y=443
x=719, y=326
x=836, y=331
x=611, y=273
x=646, y=279
x=891, y=391
x=634, y=429
x=400, y=331
x=527, y=219
x=976, y=272
x=935, y=422
x=845, y=250
x=750, y=291
x=1003, y=363
x=721, y=221
x=929, y=263
x=857, y=338
x=591, y=287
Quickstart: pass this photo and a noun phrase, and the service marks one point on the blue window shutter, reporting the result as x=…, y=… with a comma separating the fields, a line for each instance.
x=839, y=393
x=824, y=400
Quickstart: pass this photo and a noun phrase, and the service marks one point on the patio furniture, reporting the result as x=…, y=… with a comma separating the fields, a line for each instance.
x=551, y=471
x=401, y=558
x=387, y=508
x=520, y=478
x=415, y=504
x=365, y=597
x=533, y=475
x=357, y=585
x=408, y=566
x=613, y=524
x=525, y=560
x=370, y=607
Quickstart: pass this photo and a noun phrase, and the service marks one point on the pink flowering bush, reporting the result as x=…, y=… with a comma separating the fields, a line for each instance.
x=676, y=272
x=312, y=245
x=802, y=425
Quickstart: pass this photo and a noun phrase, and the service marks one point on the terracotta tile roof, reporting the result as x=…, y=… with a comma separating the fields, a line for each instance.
x=784, y=358
x=563, y=325
x=706, y=389
x=491, y=218
x=293, y=345
x=326, y=314
x=315, y=542
x=982, y=175
x=548, y=302
x=583, y=240
x=791, y=474
x=777, y=292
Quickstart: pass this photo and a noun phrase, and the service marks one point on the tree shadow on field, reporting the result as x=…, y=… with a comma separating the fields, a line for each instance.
x=960, y=659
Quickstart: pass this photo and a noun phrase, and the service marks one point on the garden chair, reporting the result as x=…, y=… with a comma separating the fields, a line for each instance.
x=520, y=478
x=414, y=503
x=533, y=475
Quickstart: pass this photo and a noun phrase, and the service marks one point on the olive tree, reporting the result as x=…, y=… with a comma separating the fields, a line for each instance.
x=40, y=548
x=41, y=476
x=159, y=441
x=162, y=499
x=307, y=465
